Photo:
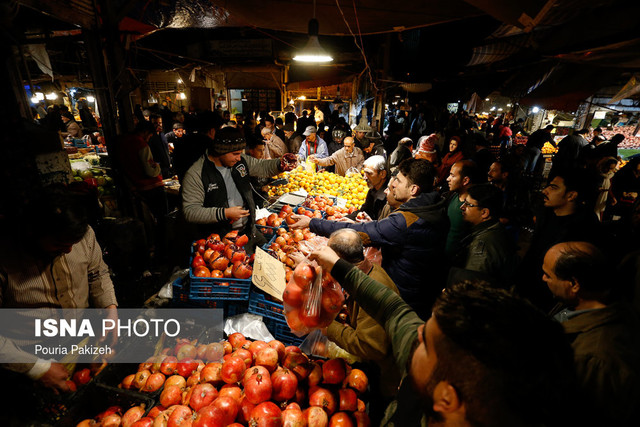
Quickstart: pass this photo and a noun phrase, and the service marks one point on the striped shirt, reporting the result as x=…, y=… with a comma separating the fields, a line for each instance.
x=79, y=279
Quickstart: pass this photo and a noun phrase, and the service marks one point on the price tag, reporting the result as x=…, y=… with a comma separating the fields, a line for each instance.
x=269, y=274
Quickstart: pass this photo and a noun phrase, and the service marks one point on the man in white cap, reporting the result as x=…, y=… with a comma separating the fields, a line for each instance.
x=313, y=144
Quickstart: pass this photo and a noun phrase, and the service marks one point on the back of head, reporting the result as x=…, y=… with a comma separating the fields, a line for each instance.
x=407, y=142
x=586, y=264
x=145, y=126
x=377, y=163
x=488, y=196
x=617, y=138
x=508, y=362
x=208, y=120
x=57, y=211
x=419, y=172
x=469, y=169
x=348, y=245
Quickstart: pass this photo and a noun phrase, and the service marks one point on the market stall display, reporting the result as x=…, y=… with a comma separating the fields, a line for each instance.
x=631, y=139
x=242, y=381
x=352, y=188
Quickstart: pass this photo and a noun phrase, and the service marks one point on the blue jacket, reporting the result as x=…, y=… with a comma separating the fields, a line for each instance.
x=412, y=240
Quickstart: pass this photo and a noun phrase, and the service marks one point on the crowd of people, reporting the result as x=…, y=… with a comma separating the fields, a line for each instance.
x=498, y=292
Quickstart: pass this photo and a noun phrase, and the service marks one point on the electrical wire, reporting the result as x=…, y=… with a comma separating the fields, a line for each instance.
x=355, y=40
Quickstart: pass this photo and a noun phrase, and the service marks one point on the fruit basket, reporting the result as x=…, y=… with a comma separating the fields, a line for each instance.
x=97, y=398
x=211, y=288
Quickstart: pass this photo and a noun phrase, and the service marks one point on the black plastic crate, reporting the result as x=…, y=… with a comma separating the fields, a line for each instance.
x=96, y=398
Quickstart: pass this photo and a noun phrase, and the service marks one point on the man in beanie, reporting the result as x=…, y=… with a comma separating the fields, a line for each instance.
x=427, y=149
x=313, y=144
x=216, y=191
x=360, y=131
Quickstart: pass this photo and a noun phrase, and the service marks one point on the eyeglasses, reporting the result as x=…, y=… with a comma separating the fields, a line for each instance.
x=467, y=204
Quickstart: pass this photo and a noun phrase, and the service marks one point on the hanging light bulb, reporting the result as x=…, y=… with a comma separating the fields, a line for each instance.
x=313, y=51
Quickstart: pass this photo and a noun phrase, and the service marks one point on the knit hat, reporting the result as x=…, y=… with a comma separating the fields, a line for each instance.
x=427, y=144
x=227, y=140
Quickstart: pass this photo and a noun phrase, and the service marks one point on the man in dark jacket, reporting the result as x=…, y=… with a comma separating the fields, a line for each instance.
x=535, y=142
x=488, y=251
x=292, y=138
x=569, y=150
x=193, y=145
x=411, y=238
x=605, y=336
x=403, y=151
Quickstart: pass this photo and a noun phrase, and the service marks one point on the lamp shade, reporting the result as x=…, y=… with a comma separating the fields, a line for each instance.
x=313, y=51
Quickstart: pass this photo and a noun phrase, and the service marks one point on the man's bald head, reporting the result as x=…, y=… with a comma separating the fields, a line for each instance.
x=581, y=263
x=348, y=245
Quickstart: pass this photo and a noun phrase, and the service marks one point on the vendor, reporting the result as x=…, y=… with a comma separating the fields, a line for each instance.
x=313, y=144
x=73, y=128
x=49, y=258
x=348, y=157
x=216, y=191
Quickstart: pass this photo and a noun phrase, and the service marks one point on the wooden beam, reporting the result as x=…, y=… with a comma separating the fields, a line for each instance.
x=62, y=11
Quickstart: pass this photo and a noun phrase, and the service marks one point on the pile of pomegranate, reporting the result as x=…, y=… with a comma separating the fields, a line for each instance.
x=222, y=258
x=243, y=383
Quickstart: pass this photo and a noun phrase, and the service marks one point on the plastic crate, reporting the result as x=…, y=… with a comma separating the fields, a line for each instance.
x=281, y=331
x=259, y=304
x=181, y=297
x=209, y=288
x=97, y=398
x=113, y=374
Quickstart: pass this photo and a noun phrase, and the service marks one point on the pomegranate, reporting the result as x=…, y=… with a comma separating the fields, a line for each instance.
x=232, y=391
x=267, y=357
x=254, y=370
x=298, y=363
x=214, y=352
x=155, y=411
x=209, y=416
x=258, y=388
x=220, y=263
x=334, y=371
x=154, y=382
x=303, y=275
x=171, y=395
x=279, y=348
x=182, y=416
x=244, y=415
x=284, y=383
x=233, y=369
x=323, y=398
x=266, y=414
x=362, y=419
x=83, y=376
x=293, y=417
x=229, y=408
x=140, y=379
x=242, y=240
x=143, y=422
x=211, y=373
x=176, y=380
x=169, y=365
x=256, y=346
x=237, y=340
x=186, y=367
x=245, y=355
x=348, y=400
x=193, y=379
x=316, y=417
x=186, y=351
x=202, y=395
x=315, y=376
x=341, y=419
x=357, y=380
x=132, y=415
x=293, y=295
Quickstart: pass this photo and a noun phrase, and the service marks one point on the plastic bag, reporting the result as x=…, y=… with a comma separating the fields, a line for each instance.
x=167, y=290
x=249, y=325
x=373, y=254
x=312, y=300
x=315, y=344
x=313, y=244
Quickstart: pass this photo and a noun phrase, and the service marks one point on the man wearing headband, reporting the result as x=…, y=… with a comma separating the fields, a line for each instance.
x=216, y=191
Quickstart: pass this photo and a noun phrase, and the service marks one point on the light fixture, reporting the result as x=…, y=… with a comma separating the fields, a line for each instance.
x=535, y=110
x=499, y=109
x=34, y=100
x=487, y=99
x=51, y=96
x=39, y=96
x=179, y=81
x=302, y=97
x=182, y=95
x=508, y=105
x=313, y=51
x=90, y=98
x=492, y=109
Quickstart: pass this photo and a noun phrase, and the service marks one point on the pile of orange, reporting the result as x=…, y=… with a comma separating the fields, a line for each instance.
x=352, y=188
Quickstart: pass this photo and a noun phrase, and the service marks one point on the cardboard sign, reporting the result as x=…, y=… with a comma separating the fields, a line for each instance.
x=269, y=274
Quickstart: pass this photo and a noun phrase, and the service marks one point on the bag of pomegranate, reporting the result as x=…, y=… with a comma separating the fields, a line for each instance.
x=312, y=300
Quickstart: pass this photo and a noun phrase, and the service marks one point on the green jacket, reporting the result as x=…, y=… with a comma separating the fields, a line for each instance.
x=401, y=324
x=489, y=249
x=606, y=345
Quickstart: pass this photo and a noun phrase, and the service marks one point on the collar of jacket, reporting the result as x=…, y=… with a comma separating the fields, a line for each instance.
x=594, y=319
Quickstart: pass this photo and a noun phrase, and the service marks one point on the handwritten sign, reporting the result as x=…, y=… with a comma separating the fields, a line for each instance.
x=269, y=274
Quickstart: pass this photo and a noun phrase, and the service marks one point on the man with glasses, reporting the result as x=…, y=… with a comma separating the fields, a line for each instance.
x=346, y=158
x=488, y=252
